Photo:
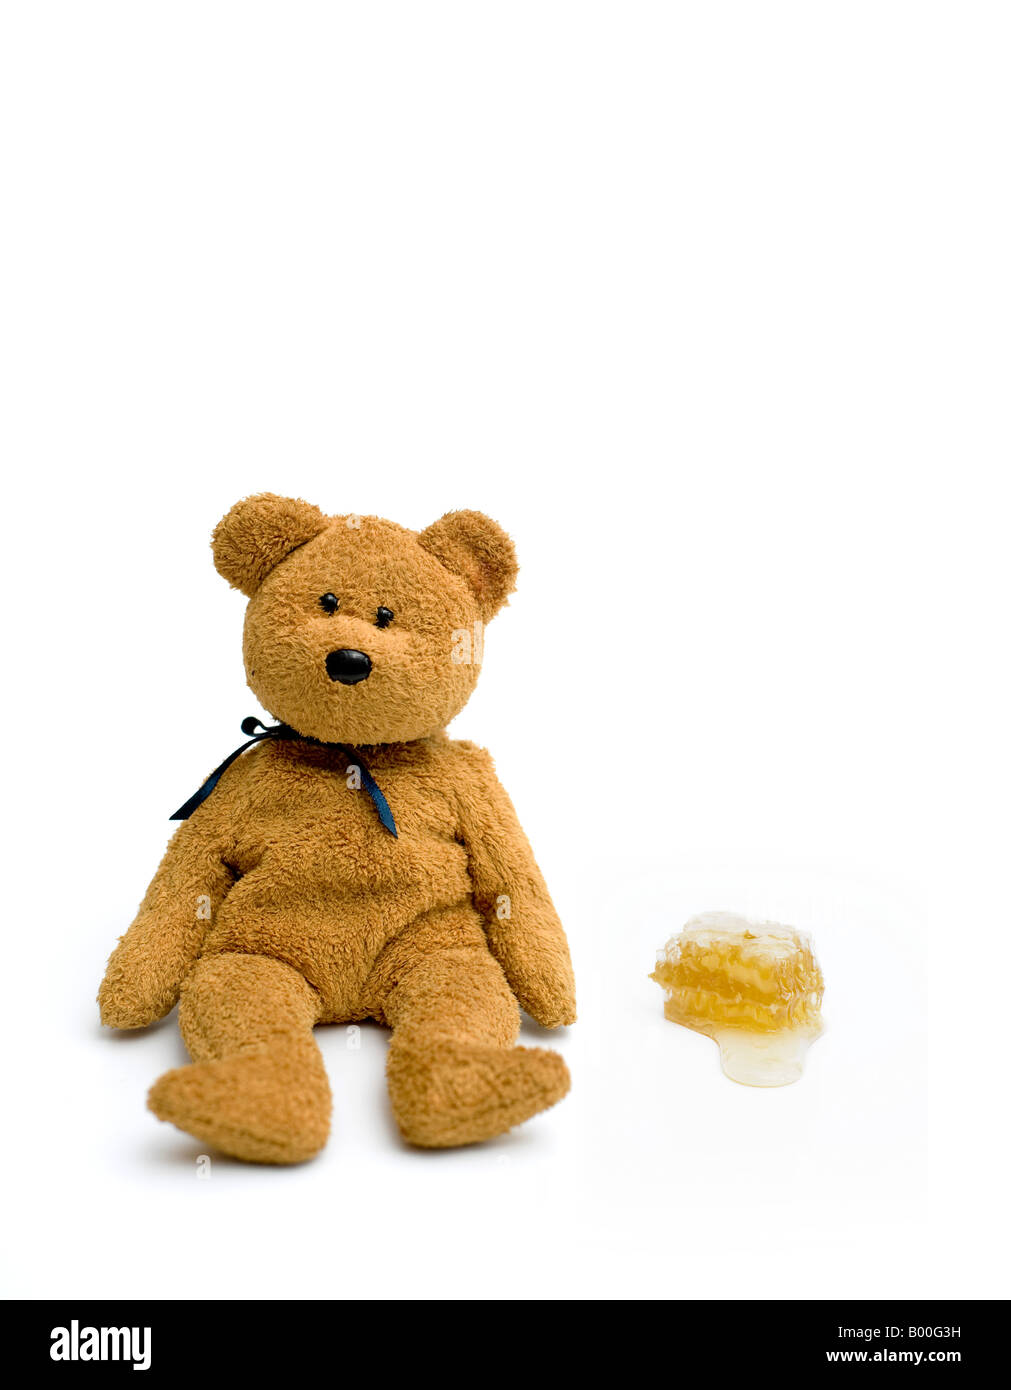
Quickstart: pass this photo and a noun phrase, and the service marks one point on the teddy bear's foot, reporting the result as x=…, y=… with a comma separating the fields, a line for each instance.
x=446, y=1094
x=263, y=1107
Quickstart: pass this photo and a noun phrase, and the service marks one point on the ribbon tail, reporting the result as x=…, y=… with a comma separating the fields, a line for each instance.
x=375, y=792
x=383, y=807
x=203, y=792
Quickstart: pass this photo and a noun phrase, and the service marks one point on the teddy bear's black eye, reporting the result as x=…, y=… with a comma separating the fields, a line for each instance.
x=383, y=617
x=329, y=603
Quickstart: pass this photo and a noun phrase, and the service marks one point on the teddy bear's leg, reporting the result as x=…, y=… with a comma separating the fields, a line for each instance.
x=455, y=1076
x=257, y=1088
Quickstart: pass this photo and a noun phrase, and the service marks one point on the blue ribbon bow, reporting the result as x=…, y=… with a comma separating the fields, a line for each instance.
x=285, y=731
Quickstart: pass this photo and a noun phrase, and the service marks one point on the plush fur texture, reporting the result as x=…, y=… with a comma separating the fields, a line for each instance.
x=283, y=903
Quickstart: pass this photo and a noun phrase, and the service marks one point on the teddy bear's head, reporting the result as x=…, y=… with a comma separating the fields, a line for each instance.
x=357, y=630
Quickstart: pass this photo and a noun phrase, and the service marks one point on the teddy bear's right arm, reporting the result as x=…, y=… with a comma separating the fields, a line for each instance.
x=146, y=969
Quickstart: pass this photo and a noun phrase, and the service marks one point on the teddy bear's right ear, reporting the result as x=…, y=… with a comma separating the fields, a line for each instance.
x=258, y=533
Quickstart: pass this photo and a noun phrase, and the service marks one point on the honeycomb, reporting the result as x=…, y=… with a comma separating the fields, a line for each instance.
x=755, y=987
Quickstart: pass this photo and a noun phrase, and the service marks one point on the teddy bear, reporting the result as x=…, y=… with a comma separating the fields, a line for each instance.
x=352, y=861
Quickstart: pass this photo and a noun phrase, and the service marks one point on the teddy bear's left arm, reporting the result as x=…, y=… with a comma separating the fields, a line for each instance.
x=521, y=925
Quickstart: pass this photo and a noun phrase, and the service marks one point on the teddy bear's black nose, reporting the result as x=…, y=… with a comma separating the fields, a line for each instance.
x=348, y=666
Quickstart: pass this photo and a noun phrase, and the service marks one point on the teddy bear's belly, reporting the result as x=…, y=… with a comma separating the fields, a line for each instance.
x=327, y=903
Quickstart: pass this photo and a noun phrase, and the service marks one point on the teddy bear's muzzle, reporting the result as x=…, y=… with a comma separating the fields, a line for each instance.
x=348, y=666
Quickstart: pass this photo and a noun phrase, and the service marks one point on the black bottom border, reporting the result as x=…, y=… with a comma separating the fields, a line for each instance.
x=66, y=1340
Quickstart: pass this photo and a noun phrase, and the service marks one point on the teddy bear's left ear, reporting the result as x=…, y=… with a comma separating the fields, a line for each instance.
x=256, y=535
x=476, y=548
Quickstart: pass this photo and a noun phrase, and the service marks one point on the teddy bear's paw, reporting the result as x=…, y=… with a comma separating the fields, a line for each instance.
x=122, y=1004
x=449, y=1094
x=264, y=1107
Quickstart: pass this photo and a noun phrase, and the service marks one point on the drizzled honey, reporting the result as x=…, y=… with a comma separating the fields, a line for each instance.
x=755, y=987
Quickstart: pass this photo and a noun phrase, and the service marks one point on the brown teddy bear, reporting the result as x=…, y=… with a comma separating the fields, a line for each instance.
x=356, y=863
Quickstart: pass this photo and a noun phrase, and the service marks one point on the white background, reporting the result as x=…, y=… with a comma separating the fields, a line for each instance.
x=708, y=304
